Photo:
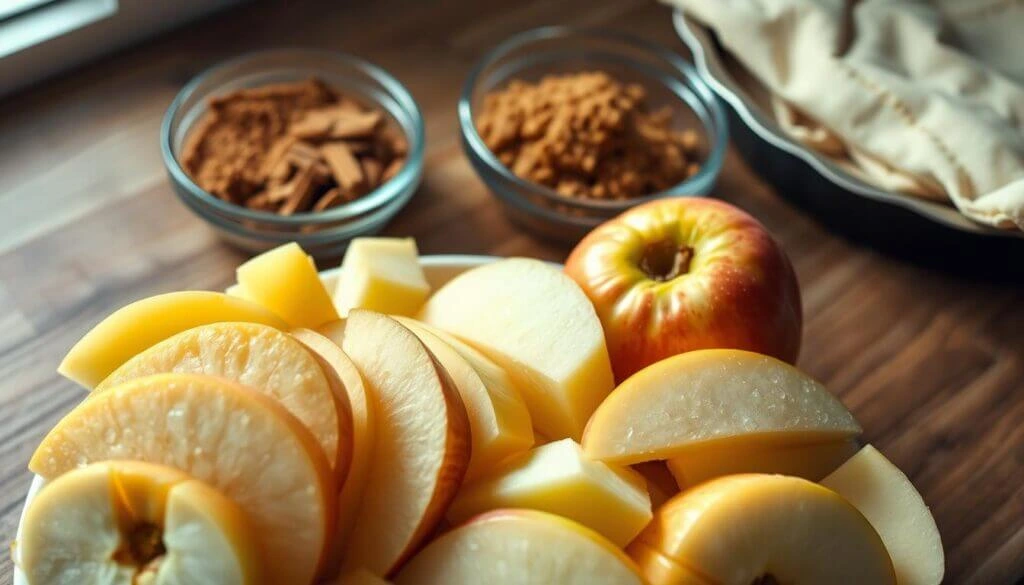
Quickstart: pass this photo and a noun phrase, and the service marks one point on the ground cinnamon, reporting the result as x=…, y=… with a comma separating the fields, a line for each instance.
x=587, y=135
x=292, y=147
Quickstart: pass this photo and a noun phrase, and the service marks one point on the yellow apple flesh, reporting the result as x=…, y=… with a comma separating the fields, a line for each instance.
x=383, y=275
x=263, y=359
x=559, y=479
x=238, y=441
x=129, y=522
x=675, y=275
x=897, y=511
x=498, y=419
x=137, y=326
x=337, y=362
x=693, y=400
x=422, y=442
x=738, y=529
x=520, y=547
x=811, y=461
x=537, y=324
x=285, y=280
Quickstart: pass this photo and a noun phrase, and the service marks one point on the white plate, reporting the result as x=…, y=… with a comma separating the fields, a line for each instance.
x=438, y=269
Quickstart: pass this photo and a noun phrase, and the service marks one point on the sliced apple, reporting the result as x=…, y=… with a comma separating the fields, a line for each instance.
x=559, y=479
x=238, y=441
x=236, y=290
x=363, y=431
x=740, y=529
x=520, y=547
x=536, y=323
x=696, y=398
x=422, y=445
x=383, y=275
x=141, y=324
x=132, y=522
x=285, y=280
x=658, y=569
x=263, y=359
x=813, y=461
x=893, y=506
x=498, y=419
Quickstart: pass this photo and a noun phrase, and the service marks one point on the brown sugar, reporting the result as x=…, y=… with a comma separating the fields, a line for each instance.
x=291, y=147
x=587, y=135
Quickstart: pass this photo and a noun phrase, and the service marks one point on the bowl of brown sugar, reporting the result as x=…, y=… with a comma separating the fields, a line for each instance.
x=569, y=127
x=299, y=145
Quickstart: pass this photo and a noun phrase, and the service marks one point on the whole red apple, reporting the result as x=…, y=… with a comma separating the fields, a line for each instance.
x=688, y=273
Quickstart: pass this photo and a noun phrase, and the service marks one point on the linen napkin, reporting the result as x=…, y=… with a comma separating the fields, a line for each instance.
x=925, y=98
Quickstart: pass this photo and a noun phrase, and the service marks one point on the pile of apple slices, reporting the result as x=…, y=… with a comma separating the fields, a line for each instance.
x=282, y=434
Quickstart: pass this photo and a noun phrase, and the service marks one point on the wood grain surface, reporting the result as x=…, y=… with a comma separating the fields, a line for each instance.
x=931, y=364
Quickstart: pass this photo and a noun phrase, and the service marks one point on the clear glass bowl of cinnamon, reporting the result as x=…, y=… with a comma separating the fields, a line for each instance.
x=303, y=145
x=569, y=127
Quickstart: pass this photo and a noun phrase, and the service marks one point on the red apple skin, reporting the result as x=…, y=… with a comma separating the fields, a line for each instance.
x=740, y=290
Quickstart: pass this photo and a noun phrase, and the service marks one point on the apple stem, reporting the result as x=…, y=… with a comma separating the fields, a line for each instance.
x=665, y=260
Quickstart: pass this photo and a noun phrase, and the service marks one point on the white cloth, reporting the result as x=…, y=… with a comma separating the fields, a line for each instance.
x=920, y=97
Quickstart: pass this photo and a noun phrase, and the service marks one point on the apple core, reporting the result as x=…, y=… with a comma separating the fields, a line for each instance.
x=665, y=260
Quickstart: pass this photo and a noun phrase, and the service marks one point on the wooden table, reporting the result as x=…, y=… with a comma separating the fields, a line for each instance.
x=931, y=364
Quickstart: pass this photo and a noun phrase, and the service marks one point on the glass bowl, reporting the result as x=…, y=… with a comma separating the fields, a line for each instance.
x=323, y=233
x=531, y=55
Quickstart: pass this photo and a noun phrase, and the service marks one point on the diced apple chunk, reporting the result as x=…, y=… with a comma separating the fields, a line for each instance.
x=558, y=478
x=890, y=502
x=383, y=275
x=701, y=397
x=285, y=281
x=536, y=323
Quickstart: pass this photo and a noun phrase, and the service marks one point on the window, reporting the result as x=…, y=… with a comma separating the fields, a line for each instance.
x=24, y=23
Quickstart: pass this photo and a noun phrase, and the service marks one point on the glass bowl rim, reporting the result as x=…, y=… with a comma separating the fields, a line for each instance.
x=367, y=203
x=719, y=133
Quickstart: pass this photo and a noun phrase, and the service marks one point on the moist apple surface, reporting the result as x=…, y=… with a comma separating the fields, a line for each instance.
x=688, y=273
x=240, y=442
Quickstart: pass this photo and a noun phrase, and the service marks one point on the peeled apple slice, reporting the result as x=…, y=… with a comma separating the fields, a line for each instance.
x=285, y=280
x=241, y=443
x=383, y=275
x=130, y=522
x=742, y=529
x=498, y=419
x=897, y=511
x=363, y=430
x=520, y=547
x=813, y=461
x=559, y=479
x=536, y=323
x=261, y=358
x=705, y=398
x=422, y=442
x=144, y=323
